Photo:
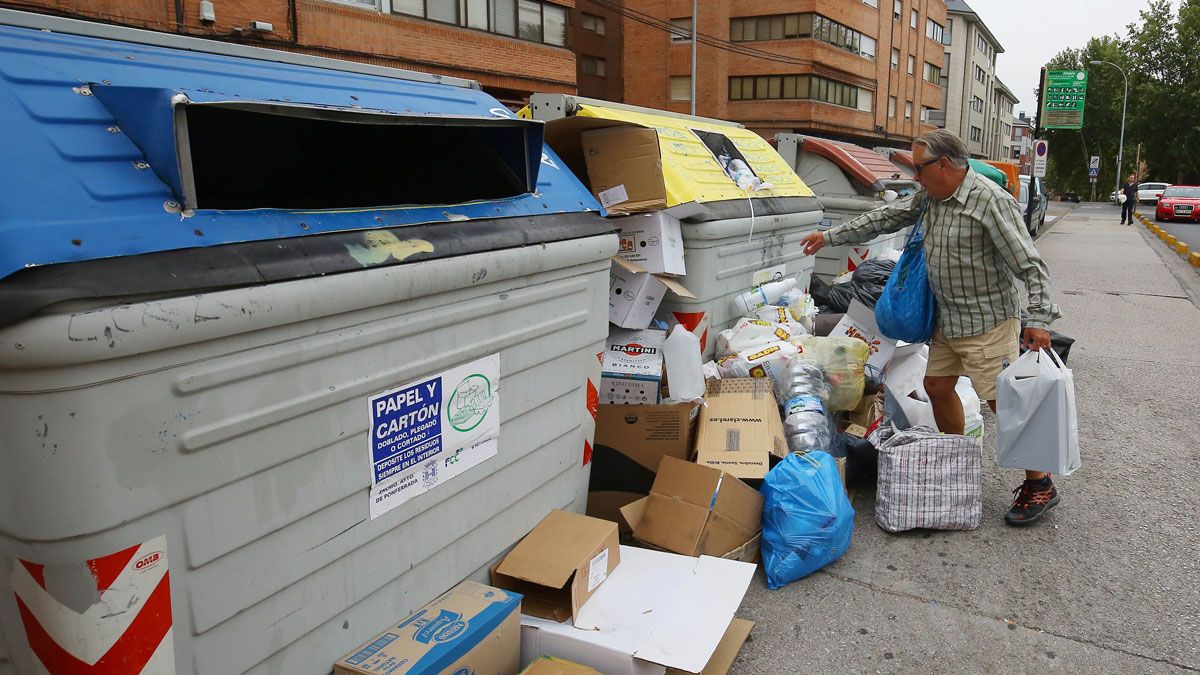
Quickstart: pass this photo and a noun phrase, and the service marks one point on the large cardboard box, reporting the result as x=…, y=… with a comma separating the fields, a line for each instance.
x=471, y=627
x=632, y=367
x=549, y=665
x=740, y=428
x=634, y=294
x=658, y=611
x=624, y=168
x=631, y=441
x=560, y=564
x=696, y=510
x=654, y=241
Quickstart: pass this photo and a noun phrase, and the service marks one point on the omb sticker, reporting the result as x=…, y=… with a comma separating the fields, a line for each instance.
x=426, y=432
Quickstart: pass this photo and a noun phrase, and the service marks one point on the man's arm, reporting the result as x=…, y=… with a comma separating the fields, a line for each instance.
x=1005, y=226
x=884, y=220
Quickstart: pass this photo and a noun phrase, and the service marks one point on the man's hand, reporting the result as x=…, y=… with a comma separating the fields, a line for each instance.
x=812, y=242
x=1035, y=339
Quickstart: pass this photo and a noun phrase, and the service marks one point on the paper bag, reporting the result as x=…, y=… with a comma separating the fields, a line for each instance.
x=1036, y=427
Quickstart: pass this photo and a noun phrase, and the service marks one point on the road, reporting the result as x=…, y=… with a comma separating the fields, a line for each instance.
x=1109, y=582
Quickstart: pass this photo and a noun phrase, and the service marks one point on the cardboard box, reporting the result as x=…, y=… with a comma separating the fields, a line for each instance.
x=632, y=366
x=471, y=627
x=654, y=241
x=657, y=611
x=560, y=564
x=634, y=294
x=624, y=168
x=631, y=440
x=740, y=428
x=549, y=665
x=696, y=510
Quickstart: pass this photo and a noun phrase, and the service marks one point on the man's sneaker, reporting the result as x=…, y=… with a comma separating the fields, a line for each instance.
x=1033, y=499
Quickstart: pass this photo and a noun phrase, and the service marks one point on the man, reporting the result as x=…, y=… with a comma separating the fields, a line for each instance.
x=976, y=247
x=1129, y=189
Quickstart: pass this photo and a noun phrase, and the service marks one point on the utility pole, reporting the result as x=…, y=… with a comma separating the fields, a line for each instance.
x=1036, y=130
x=695, y=27
x=1137, y=165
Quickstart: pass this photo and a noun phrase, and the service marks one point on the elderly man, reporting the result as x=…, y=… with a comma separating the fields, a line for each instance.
x=976, y=247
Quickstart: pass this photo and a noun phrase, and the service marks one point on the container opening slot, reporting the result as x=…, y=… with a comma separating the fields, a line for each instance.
x=235, y=157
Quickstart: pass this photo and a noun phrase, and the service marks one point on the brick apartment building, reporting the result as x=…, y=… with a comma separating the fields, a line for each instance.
x=867, y=71
x=512, y=47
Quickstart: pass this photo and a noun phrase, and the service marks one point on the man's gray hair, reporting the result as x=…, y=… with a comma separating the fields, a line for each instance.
x=942, y=143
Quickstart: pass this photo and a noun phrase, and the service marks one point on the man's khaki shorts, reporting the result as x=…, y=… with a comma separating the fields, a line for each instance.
x=979, y=357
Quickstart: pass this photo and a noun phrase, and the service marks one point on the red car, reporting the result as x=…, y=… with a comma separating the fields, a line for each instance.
x=1179, y=202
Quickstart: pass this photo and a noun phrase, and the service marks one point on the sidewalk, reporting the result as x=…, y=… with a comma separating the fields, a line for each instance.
x=1107, y=582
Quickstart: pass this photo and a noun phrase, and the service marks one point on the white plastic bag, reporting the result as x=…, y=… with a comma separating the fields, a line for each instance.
x=906, y=383
x=1036, y=428
x=972, y=408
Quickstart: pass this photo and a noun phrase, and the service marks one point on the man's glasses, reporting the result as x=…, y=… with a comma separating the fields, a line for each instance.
x=921, y=167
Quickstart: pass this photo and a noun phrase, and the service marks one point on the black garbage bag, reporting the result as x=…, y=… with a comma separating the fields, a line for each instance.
x=869, y=279
x=862, y=461
x=1061, y=344
x=833, y=299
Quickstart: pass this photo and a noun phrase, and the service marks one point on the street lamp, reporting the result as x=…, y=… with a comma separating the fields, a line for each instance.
x=1121, y=147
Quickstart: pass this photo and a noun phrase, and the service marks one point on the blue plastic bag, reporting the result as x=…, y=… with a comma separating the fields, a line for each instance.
x=907, y=310
x=807, y=518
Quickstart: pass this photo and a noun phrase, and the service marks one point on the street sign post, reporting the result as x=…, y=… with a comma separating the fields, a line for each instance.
x=1066, y=91
x=1041, y=148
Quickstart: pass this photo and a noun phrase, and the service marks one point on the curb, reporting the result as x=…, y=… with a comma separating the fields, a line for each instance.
x=1173, y=243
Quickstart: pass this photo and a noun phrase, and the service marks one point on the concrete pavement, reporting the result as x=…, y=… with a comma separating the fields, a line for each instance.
x=1109, y=582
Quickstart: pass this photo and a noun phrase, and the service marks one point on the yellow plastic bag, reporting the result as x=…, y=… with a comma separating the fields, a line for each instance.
x=843, y=359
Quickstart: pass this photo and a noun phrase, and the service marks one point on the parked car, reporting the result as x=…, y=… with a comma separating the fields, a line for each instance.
x=1034, y=221
x=1070, y=197
x=1148, y=193
x=1179, y=202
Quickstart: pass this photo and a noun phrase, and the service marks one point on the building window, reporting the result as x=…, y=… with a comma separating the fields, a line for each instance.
x=895, y=59
x=946, y=34
x=977, y=134
x=912, y=19
x=873, y=3
x=681, y=88
x=766, y=87
x=912, y=64
x=934, y=30
x=791, y=26
x=867, y=47
x=1016, y=153
x=592, y=23
x=681, y=29
x=908, y=110
x=891, y=106
x=980, y=74
x=933, y=73
x=591, y=65
x=527, y=19
x=977, y=104
x=897, y=9
x=925, y=113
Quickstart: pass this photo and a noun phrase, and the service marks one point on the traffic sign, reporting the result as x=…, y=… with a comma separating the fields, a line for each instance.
x=1094, y=162
x=1094, y=171
x=1065, y=91
x=1041, y=149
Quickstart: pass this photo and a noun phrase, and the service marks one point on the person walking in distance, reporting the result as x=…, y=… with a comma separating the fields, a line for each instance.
x=1129, y=189
x=976, y=247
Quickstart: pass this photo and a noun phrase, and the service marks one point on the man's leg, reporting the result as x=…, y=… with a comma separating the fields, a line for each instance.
x=947, y=406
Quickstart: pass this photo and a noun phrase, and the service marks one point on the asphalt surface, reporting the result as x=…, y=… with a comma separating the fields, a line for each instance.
x=1105, y=583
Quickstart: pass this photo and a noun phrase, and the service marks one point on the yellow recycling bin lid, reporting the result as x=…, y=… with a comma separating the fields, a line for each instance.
x=690, y=170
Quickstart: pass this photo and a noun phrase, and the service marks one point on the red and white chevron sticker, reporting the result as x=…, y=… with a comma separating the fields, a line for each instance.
x=126, y=628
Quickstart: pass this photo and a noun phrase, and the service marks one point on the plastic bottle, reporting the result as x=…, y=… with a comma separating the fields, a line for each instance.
x=767, y=294
x=804, y=392
x=685, y=369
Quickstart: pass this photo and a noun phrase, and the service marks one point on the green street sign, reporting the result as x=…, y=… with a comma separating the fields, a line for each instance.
x=1064, y=98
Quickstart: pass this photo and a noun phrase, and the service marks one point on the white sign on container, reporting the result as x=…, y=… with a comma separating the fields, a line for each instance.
x=426, y=432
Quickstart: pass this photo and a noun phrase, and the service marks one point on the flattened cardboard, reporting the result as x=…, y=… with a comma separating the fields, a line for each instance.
x=727, y=651
x=625, y=160
x=630, y=442
x=634, y=294
x=471, y=627
x=659, y=610
x=740, y=428
x=557, y=565
x=696, y=510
